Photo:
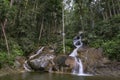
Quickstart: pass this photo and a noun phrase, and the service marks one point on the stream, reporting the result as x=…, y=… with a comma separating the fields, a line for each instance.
x=53, y=76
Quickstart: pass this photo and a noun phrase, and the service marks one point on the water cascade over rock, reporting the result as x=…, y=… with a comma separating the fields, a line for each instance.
x=78, y=69
x=82, y=59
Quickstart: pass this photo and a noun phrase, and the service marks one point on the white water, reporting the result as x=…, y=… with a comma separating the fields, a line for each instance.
x=78, y=69
x=81, y=67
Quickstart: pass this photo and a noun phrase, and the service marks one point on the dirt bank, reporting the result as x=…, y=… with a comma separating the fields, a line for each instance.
x=9, y=70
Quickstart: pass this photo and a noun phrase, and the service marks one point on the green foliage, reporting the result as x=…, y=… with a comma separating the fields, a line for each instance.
x=5, y=59
x=112, y=49
x=6, y=11
x=96, y=43
x=15, y=50
x=108, y=37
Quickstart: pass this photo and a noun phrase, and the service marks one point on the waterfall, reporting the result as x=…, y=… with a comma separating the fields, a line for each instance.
x=78, y=69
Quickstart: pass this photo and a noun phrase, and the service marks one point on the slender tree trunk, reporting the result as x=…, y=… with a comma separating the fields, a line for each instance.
x=4, y=33
x=34, y=9
x=3, y=25
x=102, y=12
x=63, y=30
x=26, y=4
x=41, y=28
x=92, y=18
x=55, y=22
x=82, y=23
x=106, y=16
x=109, y=9
x=11, y=3
x=113, y=5
x=103, y=15
x=119, y=5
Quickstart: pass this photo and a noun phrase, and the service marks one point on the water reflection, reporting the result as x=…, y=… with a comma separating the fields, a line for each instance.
x=53, y=76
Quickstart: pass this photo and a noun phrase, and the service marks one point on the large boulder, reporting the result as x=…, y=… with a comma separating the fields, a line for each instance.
x=40, y=61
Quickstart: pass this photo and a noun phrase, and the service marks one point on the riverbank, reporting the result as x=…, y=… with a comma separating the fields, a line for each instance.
x=100, y=72
x=9, y=70
x=111, y=69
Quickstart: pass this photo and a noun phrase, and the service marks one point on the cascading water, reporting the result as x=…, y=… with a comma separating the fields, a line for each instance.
x=78, y=69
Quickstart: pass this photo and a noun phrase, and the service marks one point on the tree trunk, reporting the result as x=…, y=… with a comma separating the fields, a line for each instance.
x=102, y=11
x=41, y=28
x=119, y=5
x=26, y=4
x=109, y=9
x=92, y=18
x=63, y=30
x=4, y=33
x=55, y=22
x=11, y=3
x=3, y=24
x=103, y=15
x=81, y=17
x=113, y=5
x=106, y=16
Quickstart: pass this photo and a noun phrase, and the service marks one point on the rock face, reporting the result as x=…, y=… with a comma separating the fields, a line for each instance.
x=92, y=58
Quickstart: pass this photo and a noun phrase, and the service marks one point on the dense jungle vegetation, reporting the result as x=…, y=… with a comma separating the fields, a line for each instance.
x=26, y=25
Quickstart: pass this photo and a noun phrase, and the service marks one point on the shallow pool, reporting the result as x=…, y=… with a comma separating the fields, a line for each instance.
x=53, y=76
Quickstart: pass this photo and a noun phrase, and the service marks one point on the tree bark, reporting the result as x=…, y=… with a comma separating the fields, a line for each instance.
x=113, y=5
x=11, y=3
x=92, y=18
x=4, y=33
x=106, y=16
x=119, y=5
x=63, y=30
x=41, y=28
x=109, y=9
x=81, y=16
x=3, y=24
